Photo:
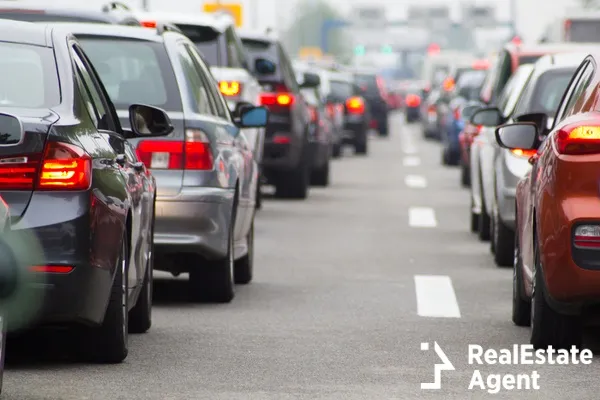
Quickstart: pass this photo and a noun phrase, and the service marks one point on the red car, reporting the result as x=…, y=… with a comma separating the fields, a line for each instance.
x=556, y=284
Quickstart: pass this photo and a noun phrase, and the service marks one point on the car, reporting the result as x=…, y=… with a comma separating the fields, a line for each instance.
x=465, y=140
x=556, y=281
x=205, y=171
x=68, y=179
x=322, y=127
x=113, y=13
x=216, y=39
x=482, y=155
x=573, y=26
x=287, y=152
x=374, y=93
x=13, y=254
x=465, y=91
x=541, y=94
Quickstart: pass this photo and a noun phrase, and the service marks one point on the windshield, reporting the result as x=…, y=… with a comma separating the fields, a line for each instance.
x=206, y=40
x=341, y=90
x=583, y=31
x=134, y=72
x=28, y=77
x=47, y=17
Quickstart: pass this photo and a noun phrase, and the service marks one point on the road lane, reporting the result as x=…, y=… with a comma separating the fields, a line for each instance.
x=333, y=310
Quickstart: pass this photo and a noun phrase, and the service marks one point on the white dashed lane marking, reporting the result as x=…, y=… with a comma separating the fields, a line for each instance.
x=415, y=181
x=411, y=161
x=421, y=217
x=436, y=297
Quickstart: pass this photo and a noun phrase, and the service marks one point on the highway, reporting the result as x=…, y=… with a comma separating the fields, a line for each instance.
x=348, y=285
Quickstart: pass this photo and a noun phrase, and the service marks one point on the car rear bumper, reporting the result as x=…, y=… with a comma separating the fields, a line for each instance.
x=196, y=221
x=282, y=156
x=413, y=113
x=85, y=234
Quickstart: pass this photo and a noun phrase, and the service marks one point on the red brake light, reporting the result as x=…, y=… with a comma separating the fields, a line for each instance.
x=457, y=113
x=52, y=269
x=432, y=109
x=578, y=139
x=193, y=154
x=355, y=105
x=412, y=100
x=526, y=153
x=277, y=99
x=19, y=172
x=230, y=88
x=314, y=114
x=481, y=64
x=331, y=109
x=448, y=84
x=148, y=24
x=65, y=167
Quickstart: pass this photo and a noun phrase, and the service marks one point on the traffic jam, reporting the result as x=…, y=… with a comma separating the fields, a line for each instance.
x=191, y=211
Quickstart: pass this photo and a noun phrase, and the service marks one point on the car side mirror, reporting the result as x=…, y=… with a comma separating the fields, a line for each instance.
x=520, y=135
x=488, y=116
x=539, y=119
x=263, y=66
x=468, y=111
x=148, y=121
x=253, y=117
x=310, y=80
x=239, y=107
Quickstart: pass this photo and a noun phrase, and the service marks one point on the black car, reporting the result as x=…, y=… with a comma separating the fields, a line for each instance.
x=112, y=14
x=372, y=88
x=67, y=178
x=287, y=157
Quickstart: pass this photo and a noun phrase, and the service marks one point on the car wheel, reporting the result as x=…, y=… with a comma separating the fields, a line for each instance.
x=258, y=200
x=140, y=316
x=337, y=150
x=521, y=306
x=484, y=221
x=548, y=327
x=3, y=329
x=244, y=267
x=360, y=144
x=445, y=158
x=212, y=281
x=108, y=343
x=465, y=176
x=320, y=177
x=474, y=218
x=503, y=239
x=295, y=184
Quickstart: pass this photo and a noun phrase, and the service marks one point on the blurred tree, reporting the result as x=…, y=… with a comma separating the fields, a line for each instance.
x=305, y=31
x=590, y=3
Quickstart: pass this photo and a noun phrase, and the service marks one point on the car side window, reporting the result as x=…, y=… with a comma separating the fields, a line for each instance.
x=194, y=84
x=209, y=83
x=235, y=58
x=287, y=70
x=101, y=117
x=578, y=89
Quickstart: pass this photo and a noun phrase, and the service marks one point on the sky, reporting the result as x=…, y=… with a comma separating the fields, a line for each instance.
x=533, y=15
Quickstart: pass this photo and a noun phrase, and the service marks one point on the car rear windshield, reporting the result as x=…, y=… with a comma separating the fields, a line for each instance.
x=261, y=48
x=206, y=40
x=368, y=82
x=583, y=31
x=28, y=77
x=341, y=90
x=549, y=91
x=42, y=16
x=471, y=78
x=528, y=59
x=134, y=71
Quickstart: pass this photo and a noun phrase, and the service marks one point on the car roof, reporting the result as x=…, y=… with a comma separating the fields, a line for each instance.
x=560, y=60
x=99, y=16
x=120, y=31
x=219, y=22
x=546, y=48
x=24, y=32
x=256, y=35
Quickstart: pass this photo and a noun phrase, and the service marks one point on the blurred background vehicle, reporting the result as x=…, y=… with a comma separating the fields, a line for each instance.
x=541, y=95
x=374, y=93
x=205, y=172
x=465, y=140
x=574, y=26
x=112, y=13
x=216, y=38
x=323, y=133
x=287, y=153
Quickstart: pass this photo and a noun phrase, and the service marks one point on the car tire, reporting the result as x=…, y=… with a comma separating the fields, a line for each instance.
x=445, y=157
x=295, y=184
x=484, y=222
x=336, y=151
x=140, y=316
x=244, y=267
x=474, y=219
x=320, y=176
x=465, y=176
x=503, y=239
x=258, y=200
x=108, y=343
x=521, y=306
x=549, y=327
x=361, y=144
x=3, y=329
x=212, y=280
x=383, y=128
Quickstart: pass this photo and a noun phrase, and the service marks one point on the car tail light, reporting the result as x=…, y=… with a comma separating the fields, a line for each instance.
x=331, y=110
x=281, y=139
x=230, y=88
x=193, y=154
x=457, y=113
x=587, y=236
x=412, y=100
x=19, y=172
x=526, y=153
x=355, y=105
x=65, y=166
x=148, y=24
x=448, y=84
x=52, y=269
x=481, y=64
x=314, y=114
x=578, y=139
x=277, y=99
x=432, y=109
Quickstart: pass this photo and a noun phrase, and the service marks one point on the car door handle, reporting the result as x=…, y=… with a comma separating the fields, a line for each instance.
x=139, y=166
x=121, y=159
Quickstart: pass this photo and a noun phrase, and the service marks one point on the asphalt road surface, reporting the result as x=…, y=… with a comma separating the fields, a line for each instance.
x=348, y=285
